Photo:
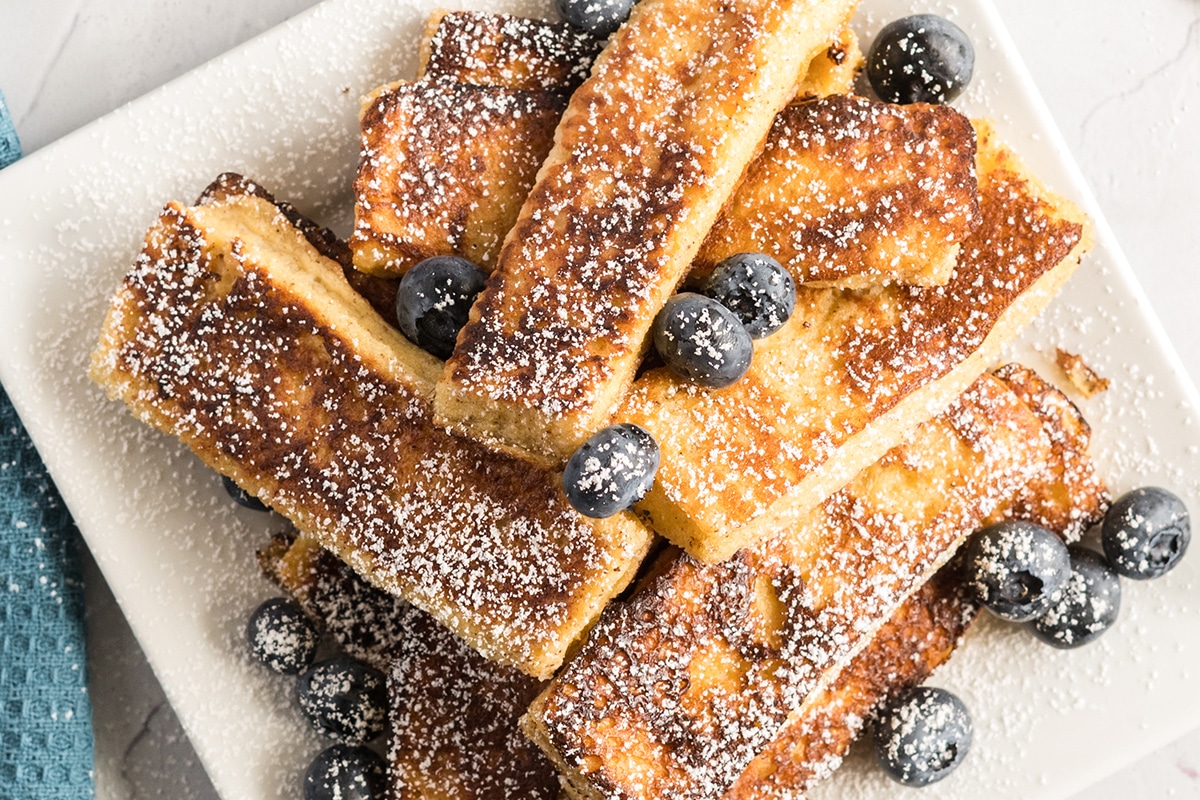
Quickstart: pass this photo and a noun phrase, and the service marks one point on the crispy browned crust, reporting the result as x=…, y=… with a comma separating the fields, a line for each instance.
x=854, y=193
x=447, y=162
x=677, y=690
x=502, y=50
x=454, y=718
x=1086, y=380
x=851, y=373
x=233, y=334
x=649, y=149
x=444, y=170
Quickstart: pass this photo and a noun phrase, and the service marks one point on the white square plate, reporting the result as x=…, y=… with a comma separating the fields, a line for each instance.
x=179, y=555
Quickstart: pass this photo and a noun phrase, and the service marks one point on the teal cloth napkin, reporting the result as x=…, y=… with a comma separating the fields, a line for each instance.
x=10, y=145
x=46, y=745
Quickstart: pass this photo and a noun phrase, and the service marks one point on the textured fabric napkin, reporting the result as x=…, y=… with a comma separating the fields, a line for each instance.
x=46, y=746
x=10, y=146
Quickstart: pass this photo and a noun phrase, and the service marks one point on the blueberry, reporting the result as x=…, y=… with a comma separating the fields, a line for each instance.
x=922, y=736
x=920, y=59
x=1014, y=569
x=1145, y=533
x=434, y=300
x=702, y=340
x=757, y=289
x=343, y=699
x=343, y=772
x=1085, y=607
x=241, y=496
x=601, y=18
x=282, y=636
x=611, y=471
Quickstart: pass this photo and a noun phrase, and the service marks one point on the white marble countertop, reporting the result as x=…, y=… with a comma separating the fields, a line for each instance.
x=1121, y=79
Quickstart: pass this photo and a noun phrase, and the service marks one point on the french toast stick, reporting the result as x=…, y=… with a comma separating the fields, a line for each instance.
x=444, y=169
x=649, y=149
x=677, y=690
x=452, y=713
x=447, y=161
x=850, y=373
x=1065, y=495
x=853, y=193
x=233, y=334
x=904, y=652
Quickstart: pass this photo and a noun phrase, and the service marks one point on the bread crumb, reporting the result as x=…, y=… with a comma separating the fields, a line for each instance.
x=1085, y=379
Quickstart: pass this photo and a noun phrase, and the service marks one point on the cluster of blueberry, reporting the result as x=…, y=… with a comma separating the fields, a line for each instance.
x=344, y=699
x=1022, y=572
x=707, y=337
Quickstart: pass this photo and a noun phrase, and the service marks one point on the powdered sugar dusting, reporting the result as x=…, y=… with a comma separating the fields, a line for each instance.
x=855, y=192
x=178, y=553
x=454, y=724
x=843, y=361
x=648, y=150
x=221, y=341
x=444, y=169
x=677, y=690
x=515, y=52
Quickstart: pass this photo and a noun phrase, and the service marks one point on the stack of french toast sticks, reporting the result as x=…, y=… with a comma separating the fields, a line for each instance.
x=786, y=574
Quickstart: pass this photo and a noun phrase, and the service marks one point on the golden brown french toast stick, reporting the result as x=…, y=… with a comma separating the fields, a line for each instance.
x=854, y=193
x=851, y=373
x=677, y=690
x=233, y=334
x=649, y=149
x=919, y=638
x=447, y=161
x=444, y=169
x=1065, y=495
